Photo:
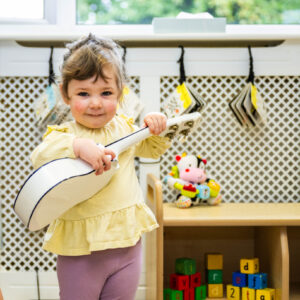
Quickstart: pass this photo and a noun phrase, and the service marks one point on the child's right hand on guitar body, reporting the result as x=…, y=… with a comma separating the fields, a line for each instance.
x=98, y=157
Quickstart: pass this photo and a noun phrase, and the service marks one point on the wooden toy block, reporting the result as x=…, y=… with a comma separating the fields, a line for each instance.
x=215, y=290
x=265, y=294
x=200, y=292
x=233, y=292
x=214, y=276
x=248, y=294
x=239, y=279
x=185, y=266
x=170, y=294
x=195, y=280
x=191, y=294
x=214, y=261
x=179, y=282
x=257, y=281
x=249, y=266
x=186, y=294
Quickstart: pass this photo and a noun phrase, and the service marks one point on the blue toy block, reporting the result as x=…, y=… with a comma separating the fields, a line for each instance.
x=257, y=281
x=239, y=279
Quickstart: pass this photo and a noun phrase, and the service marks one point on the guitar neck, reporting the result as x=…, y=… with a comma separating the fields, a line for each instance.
x=179, y=125
x=127, y=141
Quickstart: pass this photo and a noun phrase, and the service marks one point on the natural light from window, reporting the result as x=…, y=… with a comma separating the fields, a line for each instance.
x=21, y=9
x=111, y=12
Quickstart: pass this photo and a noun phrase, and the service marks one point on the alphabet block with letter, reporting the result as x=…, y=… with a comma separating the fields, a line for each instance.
x=170, y=294
x=249, y=266
x=214, y=261
x=248, y=294
x=215, y=290
x=257, y=281
x=265, y=294
x=200, y=292
x=233, y=292
x=239, y=279
x=214, y=276
x=179, y=282
x=185, y=266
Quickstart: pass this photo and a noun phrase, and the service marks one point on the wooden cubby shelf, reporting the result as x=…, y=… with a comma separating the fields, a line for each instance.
x=270, y=232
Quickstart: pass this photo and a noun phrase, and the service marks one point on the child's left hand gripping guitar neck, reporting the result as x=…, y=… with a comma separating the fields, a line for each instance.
x=56, y=186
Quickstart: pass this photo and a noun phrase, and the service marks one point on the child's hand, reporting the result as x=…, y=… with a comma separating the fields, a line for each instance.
x=157, y=122
x=98, y=157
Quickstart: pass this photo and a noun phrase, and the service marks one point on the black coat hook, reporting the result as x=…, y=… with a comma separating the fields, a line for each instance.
x=181, y=66
x=124, y=54
x=51, y=71
x=251, y=72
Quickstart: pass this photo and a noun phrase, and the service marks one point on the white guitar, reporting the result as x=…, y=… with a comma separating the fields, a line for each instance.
x=52, y=189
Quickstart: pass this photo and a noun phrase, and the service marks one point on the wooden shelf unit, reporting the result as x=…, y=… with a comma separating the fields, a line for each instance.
x=270, y=232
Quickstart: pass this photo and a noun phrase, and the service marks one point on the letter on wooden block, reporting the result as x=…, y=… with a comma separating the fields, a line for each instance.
x=233, y=292
x=214, y=261
x=179, y=282
x=200, y=292
x=265, y=294
x=257, y=281
x=249, y=266
x=248, y=294
x=195, y=280
x=215, y=290
x=170, y=294
x=239, y=279
x=185, y=266
x=214, y=276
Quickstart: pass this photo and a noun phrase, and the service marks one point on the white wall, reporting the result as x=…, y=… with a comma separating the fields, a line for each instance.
x=149, y=64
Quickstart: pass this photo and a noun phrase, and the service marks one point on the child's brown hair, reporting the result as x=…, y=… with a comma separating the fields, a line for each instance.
x=87, y=57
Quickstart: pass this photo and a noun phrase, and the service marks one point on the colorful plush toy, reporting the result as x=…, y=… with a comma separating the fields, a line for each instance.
x=189, y=177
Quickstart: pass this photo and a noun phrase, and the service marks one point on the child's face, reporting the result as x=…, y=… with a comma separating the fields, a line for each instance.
x=93, y=103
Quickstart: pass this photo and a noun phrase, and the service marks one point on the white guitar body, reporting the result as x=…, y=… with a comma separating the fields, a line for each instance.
x=63, y=183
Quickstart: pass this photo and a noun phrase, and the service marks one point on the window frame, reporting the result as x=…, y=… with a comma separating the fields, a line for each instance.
x=49, y=16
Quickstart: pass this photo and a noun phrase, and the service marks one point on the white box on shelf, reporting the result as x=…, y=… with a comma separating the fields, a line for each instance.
x=188, y=25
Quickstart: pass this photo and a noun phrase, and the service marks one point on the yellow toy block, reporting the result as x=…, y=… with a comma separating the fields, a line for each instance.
x=278, y=294
x=215, y=290
x=248, y=294
x=265, y=294
x=249, y=266
x=214, y=261
x=233, y=292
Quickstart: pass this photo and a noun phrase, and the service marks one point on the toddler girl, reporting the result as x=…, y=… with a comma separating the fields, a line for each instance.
x=98, y=241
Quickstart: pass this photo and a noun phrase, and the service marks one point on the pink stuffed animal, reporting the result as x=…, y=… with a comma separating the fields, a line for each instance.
x=189, y=177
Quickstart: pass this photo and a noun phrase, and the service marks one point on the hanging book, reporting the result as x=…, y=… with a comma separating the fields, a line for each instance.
x=49, y=107
x=130, y=104
x=184, y=99
x=248, y=106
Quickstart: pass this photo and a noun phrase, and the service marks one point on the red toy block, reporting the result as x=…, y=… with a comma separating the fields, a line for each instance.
x=192, y=294
x=179, y=282
x=195, y=280
x=186, y=294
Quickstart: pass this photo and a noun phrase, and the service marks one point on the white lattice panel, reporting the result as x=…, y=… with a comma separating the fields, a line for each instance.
x=20, y=249
x=260, y=164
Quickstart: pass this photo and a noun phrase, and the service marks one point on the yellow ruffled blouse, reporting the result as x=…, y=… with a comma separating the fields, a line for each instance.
x=115, y=217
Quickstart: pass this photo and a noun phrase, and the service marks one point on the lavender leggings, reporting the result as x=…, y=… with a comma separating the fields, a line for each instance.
x=107, y=275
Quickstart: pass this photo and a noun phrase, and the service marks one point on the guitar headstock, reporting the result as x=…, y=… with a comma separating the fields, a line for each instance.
x=181, y=126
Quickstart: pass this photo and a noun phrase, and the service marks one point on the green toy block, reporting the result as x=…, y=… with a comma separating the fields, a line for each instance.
x=170, y=294
x=185, y=266
x=200, y=292
x=214, y=276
